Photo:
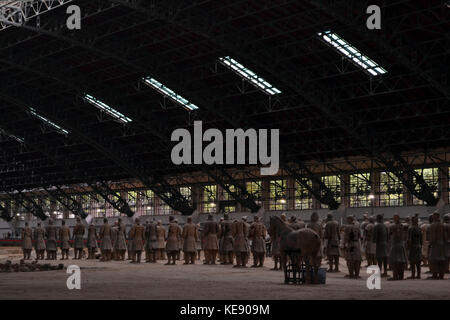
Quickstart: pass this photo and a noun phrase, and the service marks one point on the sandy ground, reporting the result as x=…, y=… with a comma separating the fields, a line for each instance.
x=122, y=280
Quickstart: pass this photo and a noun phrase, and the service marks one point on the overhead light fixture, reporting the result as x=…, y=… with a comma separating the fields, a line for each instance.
x=48, y=122
x=107, y=109
x=158, y=86
x=14, y=137
x=351, y=53
x=249, y=75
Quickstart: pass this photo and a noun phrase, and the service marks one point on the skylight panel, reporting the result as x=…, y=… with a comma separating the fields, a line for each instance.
x=158, y=86
x=48, y=122
x=249, y=75
x=107, y=109
x=12, y=136
x=351, y=53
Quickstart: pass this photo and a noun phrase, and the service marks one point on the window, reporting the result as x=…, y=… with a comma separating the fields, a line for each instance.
x=48, y=122
x=391, y=190
x=228, y=199
x=248, y=75
x=360, y=190
x=351, y=53
x=303, y=197
x=334, y=184
x=107, y=109
x=209, y=198
x=255, y=189
x=278, y=195
x=164, y=208
x=187, y=193
x=158, y=86
x=431, y=177
x=145, y=204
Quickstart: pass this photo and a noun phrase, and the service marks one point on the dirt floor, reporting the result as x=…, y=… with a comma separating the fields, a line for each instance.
x=123, y=280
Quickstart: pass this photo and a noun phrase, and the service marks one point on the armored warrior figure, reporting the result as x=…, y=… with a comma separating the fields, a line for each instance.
x=447, y=245
x=380, y=238
x=240, y=246
x=414, y=244
x=315, y=225
x=161, y=245
x=64, y=237
x=190, y=238
x=114, y=231
x=257, y=234
x=151, y=244
x=332, y=237
x=362, y=226
x=27, y=243
x=39, y=245
x=50, y=234
x=438, y=240
x=397, y=257
x=352, y=247
x=120, y=245
x=92, y=240
x=138, y=235
x=173, y=238
x=210, y=231
x=426, y=244
x=370, y=247
x=226, y=238
x=78, y=234
x=105, y=237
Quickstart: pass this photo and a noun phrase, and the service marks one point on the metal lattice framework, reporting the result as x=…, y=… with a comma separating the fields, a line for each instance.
x=327, y=108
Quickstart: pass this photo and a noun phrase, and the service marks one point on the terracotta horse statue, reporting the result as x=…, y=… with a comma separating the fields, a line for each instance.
x=304, y=242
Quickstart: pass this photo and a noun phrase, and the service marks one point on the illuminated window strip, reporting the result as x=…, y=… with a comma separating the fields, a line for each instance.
x=249, y=75
x=18, y=139
x=50, y=123
x=351, y=53
x=104, y=107
x=158, y=86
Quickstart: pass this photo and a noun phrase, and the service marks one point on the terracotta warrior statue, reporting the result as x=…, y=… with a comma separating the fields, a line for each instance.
x=173, y=238
x=151, y=244
x=352, y=248
x=190, y=237
x=92, y=240
x=27, y=243
x=447, y=245
x=370, y=247
x=120, y=245
x=161, y=236
x=138, y=235
x=105, y=237
x=397, y=256
x=257, y=234
x=317, y=227
x=240, y=246
x=438, y=239
x=78, y=236
x=64, y=237
x=39, y=245
x=332, y=238
x=226, y=238
x=50, y=234
x=380, y=238
x=414, y=244
x=210, y=231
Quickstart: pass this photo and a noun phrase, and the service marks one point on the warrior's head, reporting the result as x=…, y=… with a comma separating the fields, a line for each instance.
x=329, y=217
x=436, y=216
x=372, y=219
x=380, y=218
x=189, y=220
x=314, y=217
x=171, y=218
x=415, y=220
x=210, y=217
x=226, y=216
